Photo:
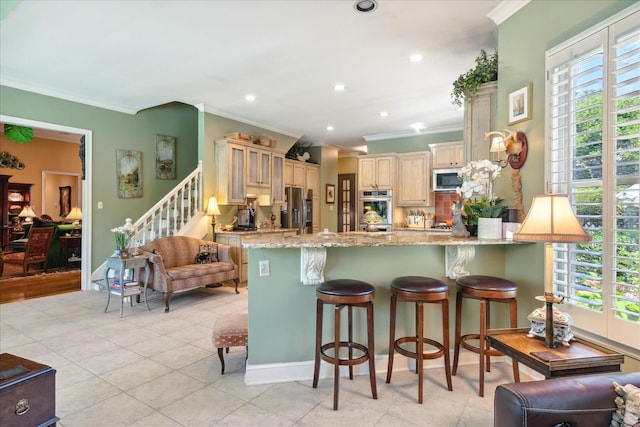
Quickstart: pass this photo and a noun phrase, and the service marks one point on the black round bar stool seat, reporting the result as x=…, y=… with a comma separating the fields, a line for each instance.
x=485, y=289
x=419, y=290
x=344, y=293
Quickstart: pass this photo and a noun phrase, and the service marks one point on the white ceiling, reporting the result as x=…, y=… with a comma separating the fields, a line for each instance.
x=132, y=55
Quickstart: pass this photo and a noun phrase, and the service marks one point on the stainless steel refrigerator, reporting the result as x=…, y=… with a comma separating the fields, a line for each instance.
x=297, y=210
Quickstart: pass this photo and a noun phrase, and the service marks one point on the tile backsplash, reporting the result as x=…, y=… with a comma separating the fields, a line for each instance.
x=444, y=200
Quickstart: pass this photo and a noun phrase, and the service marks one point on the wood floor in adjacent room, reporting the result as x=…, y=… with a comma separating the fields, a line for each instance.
x=16, y=287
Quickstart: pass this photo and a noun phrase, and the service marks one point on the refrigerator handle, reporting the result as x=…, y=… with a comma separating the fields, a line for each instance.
x=303, y=223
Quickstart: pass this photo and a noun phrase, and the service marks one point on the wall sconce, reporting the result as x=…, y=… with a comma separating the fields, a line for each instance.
x=514, y=144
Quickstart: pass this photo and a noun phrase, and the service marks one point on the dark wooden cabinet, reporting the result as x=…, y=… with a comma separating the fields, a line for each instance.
x=15, y=196
x=27, y=392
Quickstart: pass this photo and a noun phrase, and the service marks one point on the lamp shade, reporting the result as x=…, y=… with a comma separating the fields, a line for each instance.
x=497, y=145
x=75, y=214
x=212, y=206
x=551, y=219
x=27, y=212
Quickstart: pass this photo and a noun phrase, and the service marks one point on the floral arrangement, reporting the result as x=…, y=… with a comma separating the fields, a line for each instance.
x=477, y=189
x=123, y=234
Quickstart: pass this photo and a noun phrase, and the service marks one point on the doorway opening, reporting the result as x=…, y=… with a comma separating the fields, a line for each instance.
x=85, y=149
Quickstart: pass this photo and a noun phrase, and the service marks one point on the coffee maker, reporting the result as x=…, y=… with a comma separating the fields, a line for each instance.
x=247, y=216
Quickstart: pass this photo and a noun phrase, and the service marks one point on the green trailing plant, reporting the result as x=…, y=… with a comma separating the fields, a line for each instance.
x=485, y=71
x=19, y=134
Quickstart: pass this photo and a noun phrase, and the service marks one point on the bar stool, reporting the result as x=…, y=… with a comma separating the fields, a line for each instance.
x=486, y=289
x=420, y=290
x=344, y=293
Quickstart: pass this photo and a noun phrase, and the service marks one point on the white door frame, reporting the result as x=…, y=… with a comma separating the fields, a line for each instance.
x=85, y=275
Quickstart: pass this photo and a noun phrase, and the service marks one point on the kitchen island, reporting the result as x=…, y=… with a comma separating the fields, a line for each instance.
x=282, y=303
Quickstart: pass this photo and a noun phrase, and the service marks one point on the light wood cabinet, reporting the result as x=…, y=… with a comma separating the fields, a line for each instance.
x=376, y=172
x=448, y=155
x=294, y=173
x=277, y=187
x=258, y=168
x=479, y=118
x=230, y=172
x=414, y=180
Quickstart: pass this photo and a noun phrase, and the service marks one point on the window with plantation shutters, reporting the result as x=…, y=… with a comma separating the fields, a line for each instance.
x=593, y=156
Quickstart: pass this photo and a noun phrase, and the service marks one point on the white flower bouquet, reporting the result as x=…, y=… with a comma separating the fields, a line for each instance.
x=123, y=234
x=477, y=189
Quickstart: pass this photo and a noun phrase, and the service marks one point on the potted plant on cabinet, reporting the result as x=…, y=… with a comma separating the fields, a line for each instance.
x=467, y=84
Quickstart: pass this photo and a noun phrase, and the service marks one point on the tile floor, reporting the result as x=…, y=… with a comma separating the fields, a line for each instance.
x=157, y=369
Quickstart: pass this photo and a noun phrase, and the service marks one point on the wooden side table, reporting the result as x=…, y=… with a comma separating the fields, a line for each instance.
x=582, y=357
x=120, y=265
x=70, y=242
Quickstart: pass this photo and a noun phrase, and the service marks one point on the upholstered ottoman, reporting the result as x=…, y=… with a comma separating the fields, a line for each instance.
x=230, y=331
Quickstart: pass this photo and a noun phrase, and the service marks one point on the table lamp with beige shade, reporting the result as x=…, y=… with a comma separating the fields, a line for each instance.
x=28, y=214
x=212, y=211
x=76, y=216
x=551, y=220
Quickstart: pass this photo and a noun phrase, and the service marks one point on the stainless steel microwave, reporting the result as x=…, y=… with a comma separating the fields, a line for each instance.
x=446, y=179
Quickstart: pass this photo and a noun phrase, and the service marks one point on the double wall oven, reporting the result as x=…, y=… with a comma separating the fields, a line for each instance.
x=380, y=201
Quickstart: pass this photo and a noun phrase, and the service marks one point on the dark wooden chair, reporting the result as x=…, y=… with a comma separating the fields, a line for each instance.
x=36, y=251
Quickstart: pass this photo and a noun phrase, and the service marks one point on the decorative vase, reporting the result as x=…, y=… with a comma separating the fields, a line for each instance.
x=489, y=228
x=121, y=253
x=473, y=229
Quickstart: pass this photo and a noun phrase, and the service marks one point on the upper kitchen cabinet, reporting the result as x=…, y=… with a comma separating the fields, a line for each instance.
x=258, y=167
x=414, y=180
x=448, y=155
x=479, y=118
x=376, y=172
x=294, y=173
x=230, y=172
x=277, y=189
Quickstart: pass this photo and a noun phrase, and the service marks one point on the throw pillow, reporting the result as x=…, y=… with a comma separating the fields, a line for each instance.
x=207, y=254
x=628, y=403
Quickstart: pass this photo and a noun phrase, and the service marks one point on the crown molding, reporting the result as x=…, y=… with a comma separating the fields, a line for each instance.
x=505, y=10
x=410, y=133
x=209, y=109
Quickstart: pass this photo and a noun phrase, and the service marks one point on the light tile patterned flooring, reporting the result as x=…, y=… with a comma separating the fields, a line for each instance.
x=157, y=369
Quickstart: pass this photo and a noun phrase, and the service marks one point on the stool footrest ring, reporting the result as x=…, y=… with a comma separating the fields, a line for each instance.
x=413, y=354
x=476, y=349
x=344, y=362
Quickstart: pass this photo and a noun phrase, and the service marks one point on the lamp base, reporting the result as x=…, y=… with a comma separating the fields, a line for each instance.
x=550, y=323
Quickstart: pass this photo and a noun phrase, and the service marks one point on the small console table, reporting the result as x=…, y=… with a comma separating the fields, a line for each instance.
x=582, y=357
x=126, y=288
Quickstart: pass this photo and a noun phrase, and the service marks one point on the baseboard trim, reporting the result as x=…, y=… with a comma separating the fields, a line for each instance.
x=303, y=371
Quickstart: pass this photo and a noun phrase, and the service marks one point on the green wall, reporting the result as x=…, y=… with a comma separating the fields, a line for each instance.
x=409, y=144
x=112, y=130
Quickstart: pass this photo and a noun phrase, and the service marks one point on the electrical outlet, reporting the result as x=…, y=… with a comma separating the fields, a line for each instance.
x=264, y=268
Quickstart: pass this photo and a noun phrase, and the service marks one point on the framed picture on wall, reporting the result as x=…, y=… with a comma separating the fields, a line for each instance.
x=129, y=173
x=65, y=200
x=165, y=157
x=331, y=193
x=520, y=104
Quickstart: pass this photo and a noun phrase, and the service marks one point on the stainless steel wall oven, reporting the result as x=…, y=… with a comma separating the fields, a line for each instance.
x=380, y=201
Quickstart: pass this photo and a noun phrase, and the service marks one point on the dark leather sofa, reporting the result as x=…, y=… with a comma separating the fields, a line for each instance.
x=578, y=401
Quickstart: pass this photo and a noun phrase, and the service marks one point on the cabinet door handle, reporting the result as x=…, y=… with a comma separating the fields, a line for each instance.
x=22, y=407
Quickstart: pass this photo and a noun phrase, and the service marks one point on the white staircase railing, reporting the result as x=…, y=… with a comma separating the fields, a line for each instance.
x=173, y=211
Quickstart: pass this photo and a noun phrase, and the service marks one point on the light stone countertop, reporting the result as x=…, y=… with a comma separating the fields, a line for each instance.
x=360, y=239
x=259, y=231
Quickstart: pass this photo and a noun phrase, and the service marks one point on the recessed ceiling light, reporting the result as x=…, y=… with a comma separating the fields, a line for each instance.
x=365, y=5
x=338, y=87
x=416, y=57
x=417, y=126
x=329, y=128
x=250, y=98
x=384, y=114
